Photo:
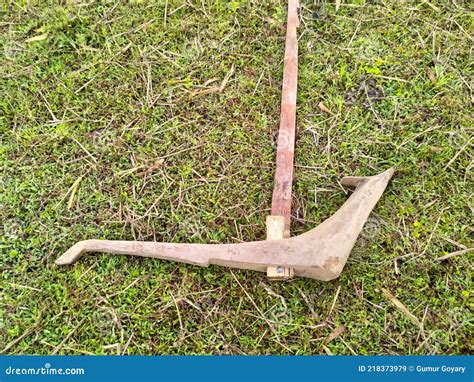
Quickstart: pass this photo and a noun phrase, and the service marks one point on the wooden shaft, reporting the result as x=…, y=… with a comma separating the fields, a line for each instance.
x=281, y=200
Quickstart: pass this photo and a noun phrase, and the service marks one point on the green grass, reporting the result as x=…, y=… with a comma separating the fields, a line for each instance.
x=106, y=89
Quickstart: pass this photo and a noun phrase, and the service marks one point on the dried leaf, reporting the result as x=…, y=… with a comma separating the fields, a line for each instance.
x=40, y=37
x=336, y=333
x=324, y=108
x=204, y=92
x=153, y=167
x=226, y=79
x=213, y=90
x=128, y=171
x=73, y=190
x=432, y=77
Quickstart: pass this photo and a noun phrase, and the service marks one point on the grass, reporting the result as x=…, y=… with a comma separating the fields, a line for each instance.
x=102, y=138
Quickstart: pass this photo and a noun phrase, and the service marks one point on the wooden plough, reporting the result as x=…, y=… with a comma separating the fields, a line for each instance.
x=320, y=253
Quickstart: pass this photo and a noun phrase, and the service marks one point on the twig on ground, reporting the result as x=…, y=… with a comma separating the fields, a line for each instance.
x=458, y=153
x=453, y=254
x=215, y=89
x=68, y=336
x=402, y=308
x=334, y=302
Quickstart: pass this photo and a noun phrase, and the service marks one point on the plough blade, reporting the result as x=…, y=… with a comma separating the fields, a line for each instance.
x=320, y=253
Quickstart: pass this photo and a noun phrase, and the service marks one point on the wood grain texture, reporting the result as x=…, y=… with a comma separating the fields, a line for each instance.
x=281, y=199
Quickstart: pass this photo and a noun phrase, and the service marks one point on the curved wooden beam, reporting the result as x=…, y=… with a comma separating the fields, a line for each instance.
x=320, y=253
